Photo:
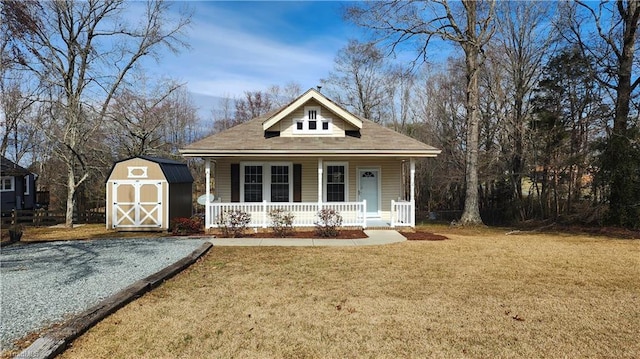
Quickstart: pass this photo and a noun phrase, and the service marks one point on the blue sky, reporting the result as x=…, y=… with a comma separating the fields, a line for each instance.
x=242, y=46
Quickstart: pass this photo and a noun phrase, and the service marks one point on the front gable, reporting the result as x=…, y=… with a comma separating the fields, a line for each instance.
x=312, y=114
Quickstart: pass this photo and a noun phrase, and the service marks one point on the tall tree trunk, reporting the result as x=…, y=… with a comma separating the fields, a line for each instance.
x=471, y=213
x=619, y=149
x=71, y=197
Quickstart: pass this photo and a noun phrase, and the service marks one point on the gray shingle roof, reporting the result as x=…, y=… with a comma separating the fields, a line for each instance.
x=249, y=139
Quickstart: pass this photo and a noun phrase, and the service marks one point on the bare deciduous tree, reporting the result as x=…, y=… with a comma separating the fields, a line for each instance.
x=84, y=51
x=512, y=69
x=254, y=104
x=607, y=32
x=469, y=26
x=357, y=80
x=140, y=116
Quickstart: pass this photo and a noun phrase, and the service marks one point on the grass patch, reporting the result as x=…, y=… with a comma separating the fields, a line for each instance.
x=78, y=232
x=481, y=294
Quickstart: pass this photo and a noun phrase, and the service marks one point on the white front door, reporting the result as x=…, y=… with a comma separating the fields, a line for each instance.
x=369, y=190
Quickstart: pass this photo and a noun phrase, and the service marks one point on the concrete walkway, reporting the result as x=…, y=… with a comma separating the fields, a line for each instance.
x=376, y=237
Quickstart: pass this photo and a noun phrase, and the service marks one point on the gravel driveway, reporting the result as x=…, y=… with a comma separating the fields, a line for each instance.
x=45, y=283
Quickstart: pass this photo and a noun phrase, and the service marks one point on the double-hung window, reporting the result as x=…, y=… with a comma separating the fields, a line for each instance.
x=253, y=183
x=6, y=184
x=336, y=183
x=267, y=181
x=279, y=183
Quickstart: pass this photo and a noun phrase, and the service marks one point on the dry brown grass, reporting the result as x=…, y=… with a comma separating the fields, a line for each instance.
x=79, y=232
x=482, y=294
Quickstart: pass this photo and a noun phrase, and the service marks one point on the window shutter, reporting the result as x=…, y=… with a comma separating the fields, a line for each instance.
x=235, y=182
x=297, y=182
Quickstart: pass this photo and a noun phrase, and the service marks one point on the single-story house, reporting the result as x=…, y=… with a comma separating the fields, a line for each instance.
x=17, y=186
x=308, y=155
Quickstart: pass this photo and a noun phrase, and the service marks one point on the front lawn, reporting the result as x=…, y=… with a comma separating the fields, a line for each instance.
x=480, y=294
x=78, y=232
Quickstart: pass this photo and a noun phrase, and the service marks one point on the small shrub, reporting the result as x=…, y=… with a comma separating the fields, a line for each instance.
x=184, y=226
x=281, y=222
x=329, y=220
x=233, y=223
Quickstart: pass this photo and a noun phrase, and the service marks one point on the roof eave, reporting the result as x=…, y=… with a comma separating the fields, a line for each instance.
x=306, y=153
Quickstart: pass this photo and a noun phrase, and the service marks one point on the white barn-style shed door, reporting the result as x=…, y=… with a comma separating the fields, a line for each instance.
x=137, y=204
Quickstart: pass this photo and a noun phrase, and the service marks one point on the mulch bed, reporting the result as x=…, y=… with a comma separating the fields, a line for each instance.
x=423, y=236
x=344, y=234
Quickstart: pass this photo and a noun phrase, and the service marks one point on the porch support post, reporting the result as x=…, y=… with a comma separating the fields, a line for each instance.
x=207, y=189
x=320, y=166
x=412, y=166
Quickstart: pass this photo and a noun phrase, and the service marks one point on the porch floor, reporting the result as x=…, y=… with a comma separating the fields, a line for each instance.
x=376, y=237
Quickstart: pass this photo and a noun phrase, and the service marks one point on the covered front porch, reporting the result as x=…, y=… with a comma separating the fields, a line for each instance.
x=366, y=192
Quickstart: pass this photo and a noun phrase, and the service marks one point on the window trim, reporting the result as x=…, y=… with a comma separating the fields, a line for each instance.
x=12, y=180
x=242, y=180
x=325, y=174
x=26, y=183
x=289, y=183
x=319, y=119
x=266, y=179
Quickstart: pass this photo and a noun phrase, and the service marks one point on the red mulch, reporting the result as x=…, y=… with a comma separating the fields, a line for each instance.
x=423, y=236
x=344, y=234
x=347, y=234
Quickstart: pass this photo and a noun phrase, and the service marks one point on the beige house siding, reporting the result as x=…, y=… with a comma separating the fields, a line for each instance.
x=222, y=189
x=390, y=177
x=286, y=125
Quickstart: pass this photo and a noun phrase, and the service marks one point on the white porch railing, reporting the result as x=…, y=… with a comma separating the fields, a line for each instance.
x=402, y=214
x=305, y=213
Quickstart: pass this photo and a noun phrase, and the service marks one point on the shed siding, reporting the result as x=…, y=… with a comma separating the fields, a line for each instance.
x=120, y=170
x=175, y=198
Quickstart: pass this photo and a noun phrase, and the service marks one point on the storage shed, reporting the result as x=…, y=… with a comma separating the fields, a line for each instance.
x=145, y=193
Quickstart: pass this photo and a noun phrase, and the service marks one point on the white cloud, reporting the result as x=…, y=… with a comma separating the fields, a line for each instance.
x=233, y=52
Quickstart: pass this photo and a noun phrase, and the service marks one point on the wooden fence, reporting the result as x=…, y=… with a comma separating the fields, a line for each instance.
x=44, y=217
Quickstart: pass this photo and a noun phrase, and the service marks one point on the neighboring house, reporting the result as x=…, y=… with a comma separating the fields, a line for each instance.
x=308, y=155
x=17, y=186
